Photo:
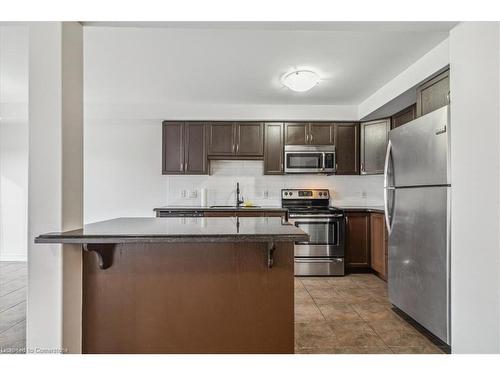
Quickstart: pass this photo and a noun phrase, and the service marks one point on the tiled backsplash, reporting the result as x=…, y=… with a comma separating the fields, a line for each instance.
x=265, y=190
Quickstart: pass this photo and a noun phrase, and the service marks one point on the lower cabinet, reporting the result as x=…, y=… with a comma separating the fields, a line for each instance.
x=357, y=240
x=378, y=244
x=366, y=242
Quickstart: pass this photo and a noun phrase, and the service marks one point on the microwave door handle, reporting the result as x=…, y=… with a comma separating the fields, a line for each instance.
x=324, y=161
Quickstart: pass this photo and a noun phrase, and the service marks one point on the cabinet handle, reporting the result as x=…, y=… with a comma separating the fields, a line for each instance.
x=448, y=97
x=362, y=167
x=237, y=148
x=233, y=147
x=185, y=166
x=182, y=167
x=310, y=138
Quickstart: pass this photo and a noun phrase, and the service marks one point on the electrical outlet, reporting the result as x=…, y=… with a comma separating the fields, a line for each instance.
x=193, y=194
x=183, y=193
x=363, y=194
x=266, y=194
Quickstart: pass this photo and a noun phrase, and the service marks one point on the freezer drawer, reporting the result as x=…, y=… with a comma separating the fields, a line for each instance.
x=418, y=151
x=319, y=266
x=419, y=256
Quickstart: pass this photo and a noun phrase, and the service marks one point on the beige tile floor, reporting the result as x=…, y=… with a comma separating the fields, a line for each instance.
x=352, y=315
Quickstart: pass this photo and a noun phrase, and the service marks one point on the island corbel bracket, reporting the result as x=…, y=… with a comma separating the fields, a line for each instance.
x=104, y=253
x=270, y=254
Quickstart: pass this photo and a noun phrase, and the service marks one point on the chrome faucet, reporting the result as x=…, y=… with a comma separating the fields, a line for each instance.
x=239, y=200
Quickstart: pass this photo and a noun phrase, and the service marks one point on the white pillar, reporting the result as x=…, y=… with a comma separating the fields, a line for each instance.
x=55, y=200
x=475, y=171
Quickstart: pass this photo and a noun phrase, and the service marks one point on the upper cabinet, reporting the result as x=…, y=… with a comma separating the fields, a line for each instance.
x=249, y=139
x=273, y=148
x=309, y=133
x=406, y=115
x=221, y=138
x=184, y=148
x=433, y=94
x=233, y=139
x=346, y=137
x=374, y=137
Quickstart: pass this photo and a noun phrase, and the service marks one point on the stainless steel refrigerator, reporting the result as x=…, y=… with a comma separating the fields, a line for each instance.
x=417, y=205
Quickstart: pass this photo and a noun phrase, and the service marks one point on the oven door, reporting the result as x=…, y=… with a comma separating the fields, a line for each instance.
x=304, y=162
x=324, y=237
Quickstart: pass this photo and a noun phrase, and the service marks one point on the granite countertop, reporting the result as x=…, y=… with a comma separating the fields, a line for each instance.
x=220, y=208
x=208, y=229
x=379, y=209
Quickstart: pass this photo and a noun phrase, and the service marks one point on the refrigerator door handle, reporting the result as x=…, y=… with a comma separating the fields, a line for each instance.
x=387, y=188
x=386, y=210
x=386, y=165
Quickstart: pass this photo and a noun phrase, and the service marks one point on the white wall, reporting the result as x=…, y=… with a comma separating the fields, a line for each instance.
x=475, y=166
x=423, y=68
x=55, y=184
x=13, y=142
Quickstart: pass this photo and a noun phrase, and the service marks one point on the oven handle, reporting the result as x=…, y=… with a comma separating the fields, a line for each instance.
x=312, y=220
x=319, y=260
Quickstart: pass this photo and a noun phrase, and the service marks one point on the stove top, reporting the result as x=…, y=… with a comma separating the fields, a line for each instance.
x=308, y=201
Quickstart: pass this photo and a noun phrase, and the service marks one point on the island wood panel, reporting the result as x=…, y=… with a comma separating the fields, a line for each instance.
x=189, y=298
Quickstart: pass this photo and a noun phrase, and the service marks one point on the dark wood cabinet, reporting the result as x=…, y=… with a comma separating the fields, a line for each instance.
x=357, y=240
x=296, y=133
x=249, y=139
x=346, y=138
x=233, y=139
x=309, y=133
x=184, y=148
x=321, y=133
x=195, y=154
x=406, y=115
x=374, y=137
x=433, y=94
x=221, y=138
x=273, y=148
x=378, y=244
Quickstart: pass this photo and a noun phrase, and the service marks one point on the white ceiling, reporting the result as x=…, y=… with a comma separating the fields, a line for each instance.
x=241, y=63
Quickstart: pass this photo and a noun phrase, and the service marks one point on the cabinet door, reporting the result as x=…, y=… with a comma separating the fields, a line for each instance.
x=273, y=148
x=433, y=94
x=347, y=147
x=296, y=133
x=195, y=150
x=249, y=139
x=374, y=137
x=406, y=115
x=378, y=242
x=221, y=138
x=172, y=147
x=358, y=240
x=320, y=133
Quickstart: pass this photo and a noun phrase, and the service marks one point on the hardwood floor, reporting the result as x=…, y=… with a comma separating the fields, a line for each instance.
x=352, y=315
x=13, y=279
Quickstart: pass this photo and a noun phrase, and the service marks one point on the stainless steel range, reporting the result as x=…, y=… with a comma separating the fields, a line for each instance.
x=323, y=254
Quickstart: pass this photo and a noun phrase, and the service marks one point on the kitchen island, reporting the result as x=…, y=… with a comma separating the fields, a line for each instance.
x=186, y=285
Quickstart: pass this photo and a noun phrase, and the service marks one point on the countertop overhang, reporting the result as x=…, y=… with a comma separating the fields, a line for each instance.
x=202, y=229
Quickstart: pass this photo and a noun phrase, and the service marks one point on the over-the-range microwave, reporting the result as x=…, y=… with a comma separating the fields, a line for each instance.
x=310, y=159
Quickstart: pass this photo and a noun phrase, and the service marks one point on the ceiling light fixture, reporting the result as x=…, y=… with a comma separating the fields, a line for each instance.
x=300, y=79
